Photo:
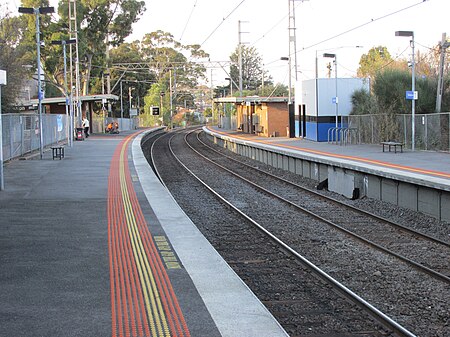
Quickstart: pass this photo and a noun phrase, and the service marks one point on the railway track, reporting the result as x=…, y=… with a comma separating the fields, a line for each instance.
x=424, y=252
x=331, y=249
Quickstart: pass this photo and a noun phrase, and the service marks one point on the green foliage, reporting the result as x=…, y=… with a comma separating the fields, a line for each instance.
x=389, y=88
x=173, y=62
x=446, y=94
x=252, y=72
x=154, y=98
x=388, y=94
x=363, y=103
x=12, y=59
x=374, y=61
x=391, y=85
x=208, y=112
x=100, y=23
x=139, y=81
x=278, y=90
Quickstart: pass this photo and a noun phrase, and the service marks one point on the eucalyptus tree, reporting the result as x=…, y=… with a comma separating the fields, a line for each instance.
x=376, y=59
x=178, y=69
x=12, y=57
x=253, y=73
x=102, y=24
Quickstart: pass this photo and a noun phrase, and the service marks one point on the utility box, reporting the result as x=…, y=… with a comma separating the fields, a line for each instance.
x=319, y=99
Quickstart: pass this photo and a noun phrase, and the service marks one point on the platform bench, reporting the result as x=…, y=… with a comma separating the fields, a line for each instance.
x=391, y=145
x=57, y=152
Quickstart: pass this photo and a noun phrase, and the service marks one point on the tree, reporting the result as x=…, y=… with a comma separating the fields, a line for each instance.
x=101, y=24
x=278, y=90
x=12, y=58
x=175, y=63
x=139, y=81
x=390, y=86
x=363, y=103
x=252, y=72
x=374, y=61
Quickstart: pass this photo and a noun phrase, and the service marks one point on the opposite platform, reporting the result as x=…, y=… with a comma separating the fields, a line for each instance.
x=427, y=166
x=418, y=180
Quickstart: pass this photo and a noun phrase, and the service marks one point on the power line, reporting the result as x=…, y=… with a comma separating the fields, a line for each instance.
x=362, y=25
x=355, y=28
x=223, y=20
x=274, y=26
x=187, y=22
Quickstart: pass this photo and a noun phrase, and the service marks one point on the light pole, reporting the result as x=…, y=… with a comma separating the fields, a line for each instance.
x=231, y=85
x=336, y=100
x=2, y=82
x=37, y=11
x=130, y=89
x=66, y=91
x=317, y=73
x=284, y=58
x=413, y=84
x=121, y=99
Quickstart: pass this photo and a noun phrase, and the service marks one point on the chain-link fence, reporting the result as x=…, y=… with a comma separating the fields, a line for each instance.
x=20, y=133
x=432, y=131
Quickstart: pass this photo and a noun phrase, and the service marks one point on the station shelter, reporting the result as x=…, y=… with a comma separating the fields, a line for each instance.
x=262, y=116
x=92, y=106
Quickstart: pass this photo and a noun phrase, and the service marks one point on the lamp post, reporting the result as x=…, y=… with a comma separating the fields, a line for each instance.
x=121, y=100
x=413, y=84
x=130, y=89
x=317, y=73
x=287, y=58
x=231, y=85
x=2, y=82
x=66, y=91
x=336, y=100
x=37, y=11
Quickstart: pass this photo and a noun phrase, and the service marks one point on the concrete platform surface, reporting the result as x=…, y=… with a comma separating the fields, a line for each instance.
x=55, y=254
x=427, y=166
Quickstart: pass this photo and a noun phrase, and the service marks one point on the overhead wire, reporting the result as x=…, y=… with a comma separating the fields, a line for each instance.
x=392, y=61
x=274, y=26
x=189, y=19
x=353, y=29
x=362, y=25
x=223, y=20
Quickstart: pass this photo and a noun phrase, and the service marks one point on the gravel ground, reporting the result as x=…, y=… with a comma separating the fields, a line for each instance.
x=368, y=273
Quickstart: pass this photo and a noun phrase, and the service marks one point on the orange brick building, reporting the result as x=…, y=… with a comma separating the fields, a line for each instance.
x=262, y=116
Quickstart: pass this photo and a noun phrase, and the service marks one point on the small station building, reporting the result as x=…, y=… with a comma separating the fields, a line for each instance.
x=262, y=116
x=323, y=103
x=91, y=106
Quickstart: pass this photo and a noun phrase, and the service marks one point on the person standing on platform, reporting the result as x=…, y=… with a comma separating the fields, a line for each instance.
x=86, y=127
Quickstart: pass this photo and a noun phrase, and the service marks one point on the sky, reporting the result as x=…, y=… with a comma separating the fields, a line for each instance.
x=265, y=26
x=329, y=26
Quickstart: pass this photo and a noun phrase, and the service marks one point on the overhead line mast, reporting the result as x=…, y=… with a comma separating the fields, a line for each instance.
x=73, y=31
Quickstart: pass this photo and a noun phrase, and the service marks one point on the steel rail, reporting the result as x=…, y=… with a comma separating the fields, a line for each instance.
x=353, y=208
x=414, y=264
x=347, y=293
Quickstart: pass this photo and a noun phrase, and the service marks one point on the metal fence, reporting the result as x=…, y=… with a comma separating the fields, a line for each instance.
x=20, y=133
x=432, y=131
x=99, y=122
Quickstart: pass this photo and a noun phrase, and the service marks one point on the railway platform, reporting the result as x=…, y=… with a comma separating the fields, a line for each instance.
x=418, y=180
x=93, y=245
x=429, y=164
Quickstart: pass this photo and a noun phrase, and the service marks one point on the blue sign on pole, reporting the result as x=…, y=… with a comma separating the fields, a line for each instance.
x=59, y=122
x=410, y=95
x=334, y=100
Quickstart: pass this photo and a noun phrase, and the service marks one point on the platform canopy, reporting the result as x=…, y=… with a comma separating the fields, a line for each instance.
x=251, y=99
x=87, y=98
